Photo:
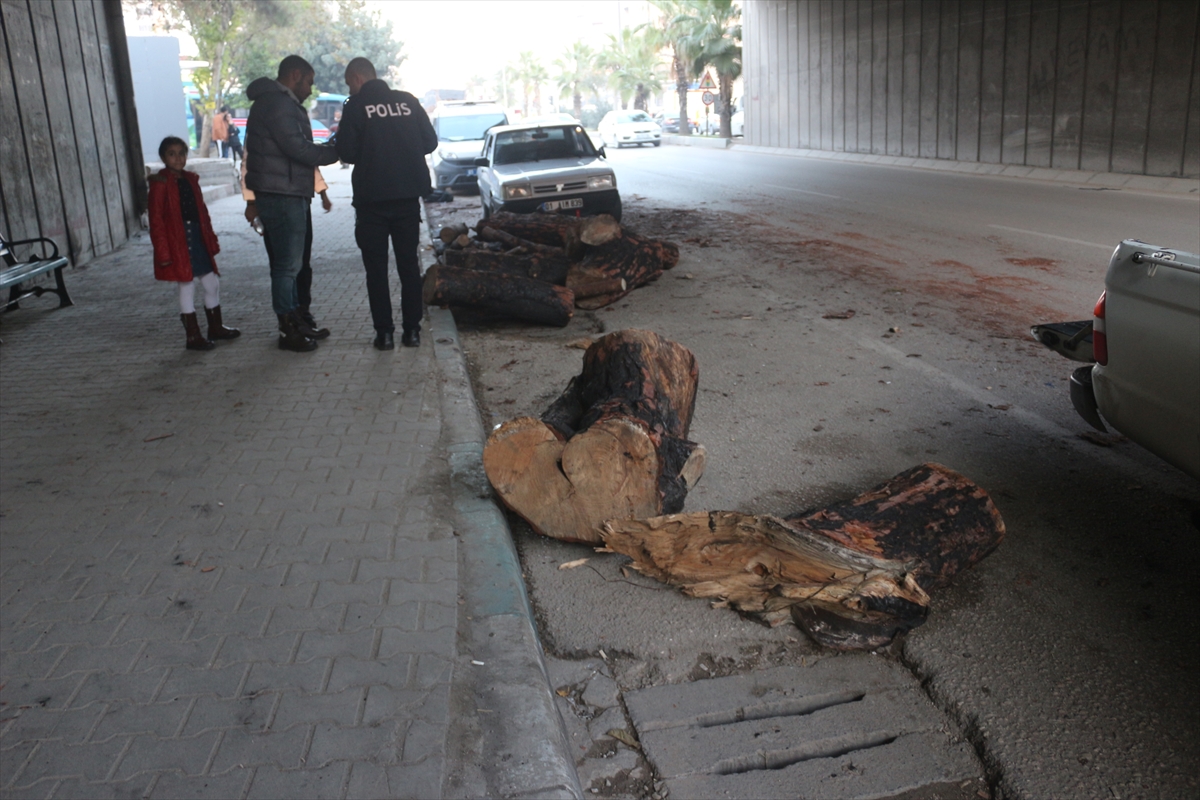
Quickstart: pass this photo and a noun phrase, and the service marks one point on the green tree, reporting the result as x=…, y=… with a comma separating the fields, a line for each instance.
x=224, y=32
x=714, y=34
x=330, y=43
x=633, y=66
x=531, y=74
x=577, y=74
x=675, y=26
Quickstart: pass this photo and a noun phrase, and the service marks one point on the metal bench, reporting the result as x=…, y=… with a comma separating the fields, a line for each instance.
x=15, y=272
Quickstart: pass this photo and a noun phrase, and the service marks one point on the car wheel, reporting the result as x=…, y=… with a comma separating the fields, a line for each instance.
x=656, y=144
x=615, y=212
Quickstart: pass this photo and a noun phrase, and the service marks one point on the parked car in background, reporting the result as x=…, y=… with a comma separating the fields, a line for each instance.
x=619, y=128
x=670, y=123
x=552, y=168
x=1142, y=350
x=321, y=132
x=461, y=127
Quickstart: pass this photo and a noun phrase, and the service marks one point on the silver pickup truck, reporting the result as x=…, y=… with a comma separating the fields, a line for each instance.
x=1142, y=347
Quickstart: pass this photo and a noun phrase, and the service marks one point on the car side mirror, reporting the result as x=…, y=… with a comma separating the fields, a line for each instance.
x=481, y=162
x=601, y=152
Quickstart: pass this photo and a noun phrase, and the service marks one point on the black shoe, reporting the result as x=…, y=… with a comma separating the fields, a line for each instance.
x=309, y=325
x=384, y=341
x=411, y=338
x=290, y=337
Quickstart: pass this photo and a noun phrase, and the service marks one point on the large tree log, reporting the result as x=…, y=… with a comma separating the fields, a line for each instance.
x=848, y=575
x=613, y=445
x=930, y=516
x=512, y=295
x=558, y=230
x=626, y=257
x=548, y=267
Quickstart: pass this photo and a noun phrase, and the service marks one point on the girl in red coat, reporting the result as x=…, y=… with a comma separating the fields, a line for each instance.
x=184, y=243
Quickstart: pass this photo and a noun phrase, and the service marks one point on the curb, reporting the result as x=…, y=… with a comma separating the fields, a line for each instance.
x=695, y=140
x=514, y=733
x=1094, y=180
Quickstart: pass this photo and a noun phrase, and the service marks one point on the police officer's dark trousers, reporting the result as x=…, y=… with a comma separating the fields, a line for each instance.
x=375, y=223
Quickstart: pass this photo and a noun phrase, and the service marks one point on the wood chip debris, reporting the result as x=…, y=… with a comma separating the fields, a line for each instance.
x=579, y=562
x=847, y=314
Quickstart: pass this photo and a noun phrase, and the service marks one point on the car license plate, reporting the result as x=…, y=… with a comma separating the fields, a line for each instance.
x=471, y=173
x=558, y=205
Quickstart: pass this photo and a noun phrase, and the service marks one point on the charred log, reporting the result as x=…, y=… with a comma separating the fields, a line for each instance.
x=850, y=575
x=613, y=445
x=515, y=296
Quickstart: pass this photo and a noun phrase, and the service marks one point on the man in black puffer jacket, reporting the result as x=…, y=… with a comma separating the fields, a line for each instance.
x=279, y=134
x=386, y=134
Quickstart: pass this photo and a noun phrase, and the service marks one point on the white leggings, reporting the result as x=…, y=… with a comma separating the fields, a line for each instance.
x=212, y=293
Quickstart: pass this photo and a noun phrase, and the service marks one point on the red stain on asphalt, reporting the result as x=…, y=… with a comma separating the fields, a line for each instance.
x=1039, y=263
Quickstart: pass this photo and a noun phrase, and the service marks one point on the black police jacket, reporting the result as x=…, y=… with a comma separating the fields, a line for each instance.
x=386, y=135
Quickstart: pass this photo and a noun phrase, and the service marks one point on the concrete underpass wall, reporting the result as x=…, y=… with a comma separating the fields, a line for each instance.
x=70, y=159
x=1096, y=85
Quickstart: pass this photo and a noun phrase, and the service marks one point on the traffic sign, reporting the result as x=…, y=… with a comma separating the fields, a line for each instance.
x=707, y=82
x=709, y=98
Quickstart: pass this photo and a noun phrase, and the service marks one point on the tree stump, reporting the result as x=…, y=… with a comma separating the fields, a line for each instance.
x=613, y=445
x=849, y=575
x=512, y=295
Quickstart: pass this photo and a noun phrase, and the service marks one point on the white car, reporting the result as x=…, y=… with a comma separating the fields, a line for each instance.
x=1142, y=347
x=552, y=168
x=461, y=127
x=619, y=128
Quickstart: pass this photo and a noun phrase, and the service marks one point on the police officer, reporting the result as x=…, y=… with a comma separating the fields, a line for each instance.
x=386, y=134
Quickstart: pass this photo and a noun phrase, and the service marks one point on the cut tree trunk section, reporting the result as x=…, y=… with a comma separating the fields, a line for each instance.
x=613, y=445
x=849, y=575
x=549, y=267
x=514, y=296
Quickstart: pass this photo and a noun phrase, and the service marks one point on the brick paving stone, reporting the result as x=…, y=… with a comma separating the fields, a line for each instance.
x=204, y=555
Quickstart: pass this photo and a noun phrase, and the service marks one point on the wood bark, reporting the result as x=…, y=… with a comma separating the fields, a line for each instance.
x=551, y=268
x=626, y=257
x=613, y=445
x=569, y=233
x=489, y=234
x=514, y=296
x=848, y=575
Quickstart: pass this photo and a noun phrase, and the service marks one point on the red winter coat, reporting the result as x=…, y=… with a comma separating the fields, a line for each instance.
x=171, y=259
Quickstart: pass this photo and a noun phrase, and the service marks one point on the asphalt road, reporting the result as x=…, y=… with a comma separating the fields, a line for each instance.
x=1069, y=657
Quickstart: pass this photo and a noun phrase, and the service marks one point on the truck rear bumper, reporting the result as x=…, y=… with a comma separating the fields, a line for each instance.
x=1084, y=398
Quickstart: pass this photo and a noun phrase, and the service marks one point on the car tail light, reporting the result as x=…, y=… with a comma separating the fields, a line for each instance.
x=1099, y=339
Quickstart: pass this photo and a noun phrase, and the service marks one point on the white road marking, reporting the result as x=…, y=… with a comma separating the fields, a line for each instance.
x=1107, y=247
x=802, y=191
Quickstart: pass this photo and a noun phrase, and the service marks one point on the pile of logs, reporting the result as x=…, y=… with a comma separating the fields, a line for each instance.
x=541, y=267
x=609, y=462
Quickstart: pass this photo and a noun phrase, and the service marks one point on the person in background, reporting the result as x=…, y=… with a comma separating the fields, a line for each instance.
x=279, y=135
x=386, y=134
x=234, y=143
x=184, y=243
x=220, y=130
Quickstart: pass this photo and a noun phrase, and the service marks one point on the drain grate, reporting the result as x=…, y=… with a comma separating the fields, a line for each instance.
x=847, y=727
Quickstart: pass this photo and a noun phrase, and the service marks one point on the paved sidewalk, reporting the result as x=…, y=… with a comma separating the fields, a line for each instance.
x=236, y=573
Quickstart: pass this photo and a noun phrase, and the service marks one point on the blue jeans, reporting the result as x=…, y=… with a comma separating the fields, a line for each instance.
x=285, y=220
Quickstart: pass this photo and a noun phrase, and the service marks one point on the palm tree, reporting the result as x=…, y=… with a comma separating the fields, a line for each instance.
x=475, y=86
x=577, y=74
x=676, y=25
x=632, y=63
x=715, y=34
x=532, y=75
